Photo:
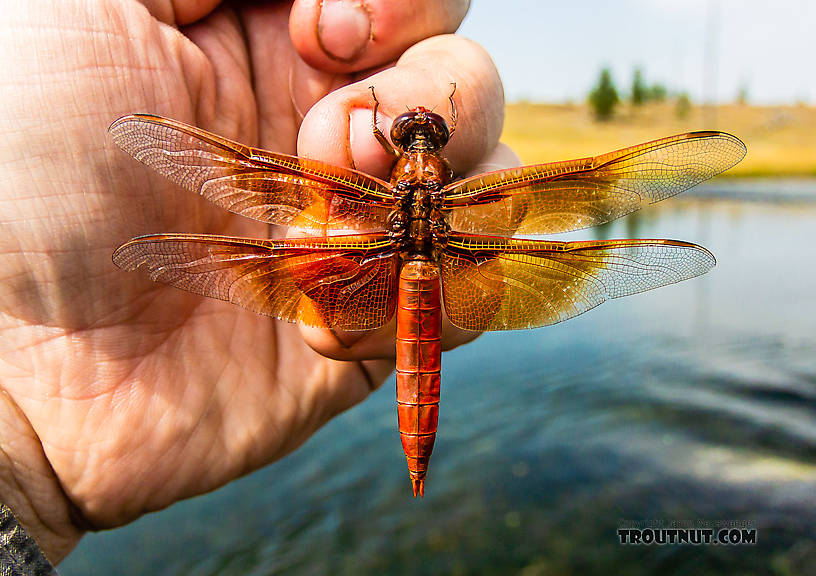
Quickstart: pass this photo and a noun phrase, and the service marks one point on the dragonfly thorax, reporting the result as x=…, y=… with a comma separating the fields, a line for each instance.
x=417, y=221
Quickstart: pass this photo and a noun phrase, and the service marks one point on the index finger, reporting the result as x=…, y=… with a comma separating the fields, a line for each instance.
x=338, y=130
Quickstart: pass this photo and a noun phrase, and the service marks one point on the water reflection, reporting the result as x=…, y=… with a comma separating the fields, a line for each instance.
x=696, y=401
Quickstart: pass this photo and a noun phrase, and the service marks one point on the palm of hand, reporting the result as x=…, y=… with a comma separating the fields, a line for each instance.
x=153, y=394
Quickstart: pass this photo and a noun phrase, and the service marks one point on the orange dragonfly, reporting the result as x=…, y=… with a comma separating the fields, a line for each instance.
x=421, y=241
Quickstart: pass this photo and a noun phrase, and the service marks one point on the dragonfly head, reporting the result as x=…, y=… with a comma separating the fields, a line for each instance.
x=419, y=129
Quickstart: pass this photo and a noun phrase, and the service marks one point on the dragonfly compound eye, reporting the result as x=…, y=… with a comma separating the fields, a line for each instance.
x=419, y=129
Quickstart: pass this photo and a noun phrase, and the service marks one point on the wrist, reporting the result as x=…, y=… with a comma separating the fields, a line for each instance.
x=29, y=487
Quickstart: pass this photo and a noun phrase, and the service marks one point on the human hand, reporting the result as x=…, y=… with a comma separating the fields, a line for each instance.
x=119, y=396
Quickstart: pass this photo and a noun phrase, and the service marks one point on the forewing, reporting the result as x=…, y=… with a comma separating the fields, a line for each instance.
x=266, y=186
x=564, y=196
x=344, y=282
x=493, y=283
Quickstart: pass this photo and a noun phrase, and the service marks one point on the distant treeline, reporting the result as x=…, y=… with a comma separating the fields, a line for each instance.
x=604, y=99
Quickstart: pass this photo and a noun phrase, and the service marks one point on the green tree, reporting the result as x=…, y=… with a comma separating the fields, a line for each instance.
x=657, y=92
x=639, y=92
x=604, y=97
x=683, y=105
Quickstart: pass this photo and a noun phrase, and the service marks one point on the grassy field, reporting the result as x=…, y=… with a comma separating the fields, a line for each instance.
x=781, y=140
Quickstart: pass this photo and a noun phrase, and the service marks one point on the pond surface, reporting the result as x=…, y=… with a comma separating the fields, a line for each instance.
x=694, y=402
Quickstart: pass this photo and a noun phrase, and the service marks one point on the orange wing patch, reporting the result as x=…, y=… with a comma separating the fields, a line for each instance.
x=344, y=282
x=493, y=283
x=565, y=196
x=266, y=186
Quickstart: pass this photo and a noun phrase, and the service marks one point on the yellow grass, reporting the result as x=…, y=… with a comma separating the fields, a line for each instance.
x=781, y=140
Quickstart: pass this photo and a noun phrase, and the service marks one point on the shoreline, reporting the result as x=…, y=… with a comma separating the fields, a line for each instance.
x=781, y=140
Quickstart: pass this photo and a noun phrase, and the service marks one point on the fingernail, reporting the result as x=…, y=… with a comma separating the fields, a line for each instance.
x=366, y=153
x=344, y=28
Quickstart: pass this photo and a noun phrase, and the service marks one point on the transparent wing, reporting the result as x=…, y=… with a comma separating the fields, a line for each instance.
x=494, y=283
x=564, y=196
x=345, y=282
x=266, y=186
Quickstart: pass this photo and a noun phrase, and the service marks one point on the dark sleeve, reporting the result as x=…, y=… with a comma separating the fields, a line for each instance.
x=19, y=553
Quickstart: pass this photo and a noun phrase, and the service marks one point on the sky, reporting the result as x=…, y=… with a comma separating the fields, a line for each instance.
x=553, y=51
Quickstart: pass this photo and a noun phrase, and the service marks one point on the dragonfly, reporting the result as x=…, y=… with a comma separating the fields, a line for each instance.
x=369, y=250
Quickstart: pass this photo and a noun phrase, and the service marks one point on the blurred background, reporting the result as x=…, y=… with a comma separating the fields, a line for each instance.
x=693, y=404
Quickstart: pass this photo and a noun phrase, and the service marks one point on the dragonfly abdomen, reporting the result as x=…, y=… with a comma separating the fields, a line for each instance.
x=419, y=353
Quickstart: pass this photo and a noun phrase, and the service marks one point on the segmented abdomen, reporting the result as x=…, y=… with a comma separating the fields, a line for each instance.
x=419, y=326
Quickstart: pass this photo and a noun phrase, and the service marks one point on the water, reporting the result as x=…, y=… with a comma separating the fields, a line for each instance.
x=695, y=402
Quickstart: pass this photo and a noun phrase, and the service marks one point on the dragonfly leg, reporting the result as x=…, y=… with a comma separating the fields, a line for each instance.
x=453, y=114
x=378, y=134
